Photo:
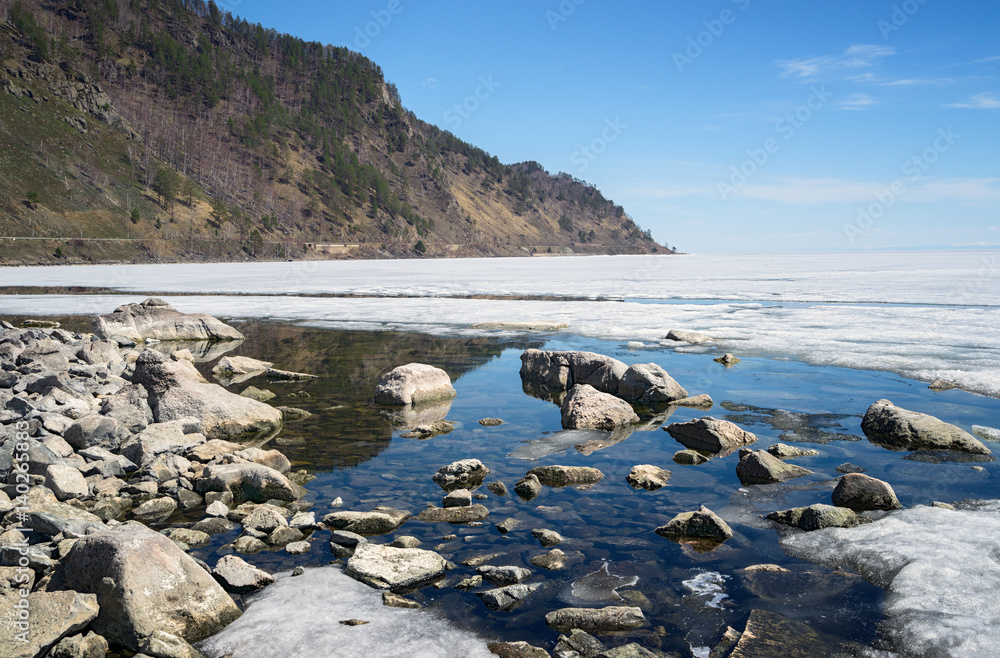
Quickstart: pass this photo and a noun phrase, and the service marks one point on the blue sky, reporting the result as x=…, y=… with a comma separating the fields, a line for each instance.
x=723, y=126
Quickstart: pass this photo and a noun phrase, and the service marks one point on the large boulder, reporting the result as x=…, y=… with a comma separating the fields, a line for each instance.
x=66, y=481
x=711, y=435
x=92, y=431
x=177, y=390
x=248, y=482
x=130, y=407
x=156, y=319
x=563, y=370
x=648, y=382
x=648, y=477
x=388, y=567
x=175, y=436
x=761, y=467
x=234, y=369
x=585, y=407
x=238, y=576
x=414, y=383
x=896, y=428
x=861, y=492
x=144, y=583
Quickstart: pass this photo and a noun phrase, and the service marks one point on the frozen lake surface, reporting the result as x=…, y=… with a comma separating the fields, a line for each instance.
x=926, y=316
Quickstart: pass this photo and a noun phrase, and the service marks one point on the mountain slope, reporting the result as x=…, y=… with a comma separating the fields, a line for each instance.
x=167, y=129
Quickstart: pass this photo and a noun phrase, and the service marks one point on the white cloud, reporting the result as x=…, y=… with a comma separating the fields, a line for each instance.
x=985, y=101
x=837, y=190
x=857, y=102
x=855, y=57
x=429, y=82
x=914, y=82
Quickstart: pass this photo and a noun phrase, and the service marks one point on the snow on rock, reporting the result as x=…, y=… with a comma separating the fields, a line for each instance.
x=940, y=569
x=298, y=617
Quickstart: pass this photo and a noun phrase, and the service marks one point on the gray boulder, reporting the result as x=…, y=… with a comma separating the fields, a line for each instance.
x=896, y=428
x=684, y=336
x=563, y=370
x=130, y=407
x=596, y=620
x=711, y=435
x=388, y=567
x=784, y=451
x=861, y=492
x=90, y=645
x=469, y=514
x=238, y=576
x=761, y=467
x=167, y=645
x=248, y=482
x=700, y=524
x=414, y=383
x=231, y=368
x=379, y=521
x=177, y=390
x=503, y=576
x=51, y=617
x=145, y=583
x=585, y=407
x=648, y=382
x=463, y=474
x=66, y=482
x=816, y=517
x=156, y=319
x=565, y=476
x=505, y=599
x=528, y=487
x=94, y=431
x=175, y=436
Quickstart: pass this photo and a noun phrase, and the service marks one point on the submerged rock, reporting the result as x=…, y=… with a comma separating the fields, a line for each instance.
x=520, y=649
x=896, y=428
x=387, y=567
x=585, y=407
x=700, y=524
x=761, y=467
x=689, y=457
x=861, y=492
x=528, y=487
x=785, y=451
x=595, y=620
x=768, y=634
x=413, y=383
x=503, y=576
x=711, y=435
x=648, y=477
x=727, y=360
x=547, y=537
x=565, y=476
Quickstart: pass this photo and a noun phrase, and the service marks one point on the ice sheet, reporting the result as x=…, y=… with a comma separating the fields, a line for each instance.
x=940, y=568
x=959, y=344
x=300, y=617
x=966, y=277
x=925, y=316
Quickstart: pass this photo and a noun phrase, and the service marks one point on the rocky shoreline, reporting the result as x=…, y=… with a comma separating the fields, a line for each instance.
x=106, y=433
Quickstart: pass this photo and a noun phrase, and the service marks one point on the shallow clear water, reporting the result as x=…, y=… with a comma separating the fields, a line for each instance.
x=688, y=597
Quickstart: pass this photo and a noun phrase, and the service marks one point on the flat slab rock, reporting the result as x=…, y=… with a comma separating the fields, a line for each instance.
x=595, y=620
x=564, y=476
x=388, y=567
x=465, y=514
x=379, y=521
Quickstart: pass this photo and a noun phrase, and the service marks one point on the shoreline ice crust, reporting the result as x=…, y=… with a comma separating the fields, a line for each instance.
x=298, y=616
x=940, y=568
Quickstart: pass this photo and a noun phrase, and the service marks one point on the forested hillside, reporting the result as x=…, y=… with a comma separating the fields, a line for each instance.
x=171, y=130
